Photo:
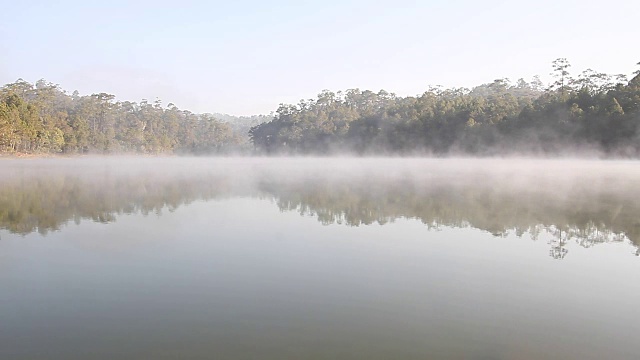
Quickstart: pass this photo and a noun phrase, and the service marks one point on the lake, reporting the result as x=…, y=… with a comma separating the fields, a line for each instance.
x=319, y=258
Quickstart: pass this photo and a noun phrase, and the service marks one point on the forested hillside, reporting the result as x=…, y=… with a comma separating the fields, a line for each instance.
x=592, y=112
x=43, y=118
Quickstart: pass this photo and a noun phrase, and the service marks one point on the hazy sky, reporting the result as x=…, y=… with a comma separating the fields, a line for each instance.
x=246, y=57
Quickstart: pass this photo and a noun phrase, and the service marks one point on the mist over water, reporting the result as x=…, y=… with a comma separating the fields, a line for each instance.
x=302, y=257
x=497, y=195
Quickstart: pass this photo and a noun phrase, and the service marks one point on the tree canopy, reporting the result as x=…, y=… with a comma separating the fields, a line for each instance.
x=593, y=112
x=43, y=118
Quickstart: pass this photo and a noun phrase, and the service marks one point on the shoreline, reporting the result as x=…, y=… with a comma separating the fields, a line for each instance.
x=24, y=156
x=515, y=156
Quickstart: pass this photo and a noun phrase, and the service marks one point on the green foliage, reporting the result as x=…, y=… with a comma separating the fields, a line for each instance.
x=594, y=112
x=42, y=118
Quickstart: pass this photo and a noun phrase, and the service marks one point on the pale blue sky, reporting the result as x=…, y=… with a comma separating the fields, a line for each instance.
x=246, y=57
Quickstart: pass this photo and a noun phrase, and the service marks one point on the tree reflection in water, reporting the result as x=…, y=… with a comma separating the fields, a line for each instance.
x=582, y=206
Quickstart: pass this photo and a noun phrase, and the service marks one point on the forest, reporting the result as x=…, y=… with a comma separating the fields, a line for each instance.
x=591, y=113
x=42, y=118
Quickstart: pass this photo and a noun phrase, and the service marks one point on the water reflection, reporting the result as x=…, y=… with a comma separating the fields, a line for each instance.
x=588, y=203
x=585, y=214
x=44, y=199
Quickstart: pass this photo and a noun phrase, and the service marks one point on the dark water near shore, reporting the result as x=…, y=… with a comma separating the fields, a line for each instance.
x=125, y=258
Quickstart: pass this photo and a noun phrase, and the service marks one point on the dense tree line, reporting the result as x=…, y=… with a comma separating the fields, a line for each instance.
x=43, y=118
x=593, y=111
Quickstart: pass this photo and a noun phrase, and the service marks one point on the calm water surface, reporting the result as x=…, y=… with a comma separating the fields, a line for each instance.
x=311, y=258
